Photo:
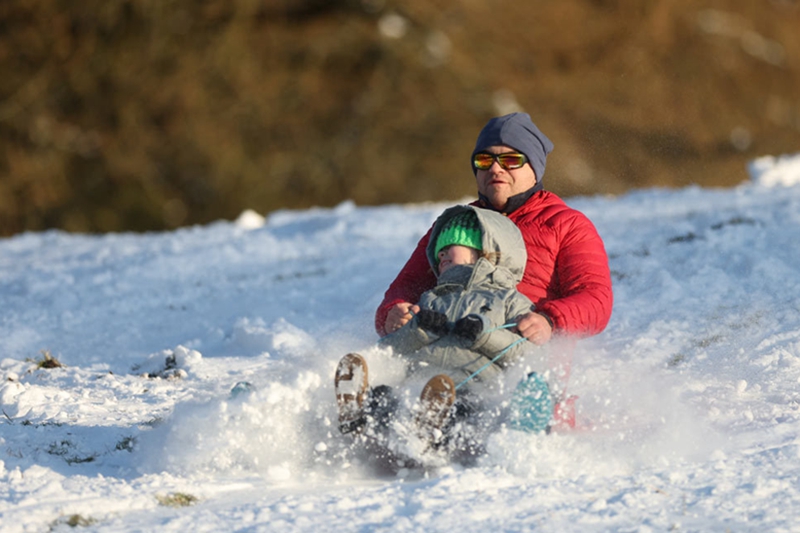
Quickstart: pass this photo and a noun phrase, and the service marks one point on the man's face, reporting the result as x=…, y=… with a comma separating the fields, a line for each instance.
x=498, y=184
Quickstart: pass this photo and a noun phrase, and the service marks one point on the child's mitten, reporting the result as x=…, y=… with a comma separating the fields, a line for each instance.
x=432, y=321
x=470, y=327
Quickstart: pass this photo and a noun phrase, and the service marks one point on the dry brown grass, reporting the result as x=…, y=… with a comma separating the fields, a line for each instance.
x=146, y=114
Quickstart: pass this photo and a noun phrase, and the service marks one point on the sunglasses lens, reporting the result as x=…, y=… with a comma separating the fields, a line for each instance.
x=483, y=161
x=511, y=160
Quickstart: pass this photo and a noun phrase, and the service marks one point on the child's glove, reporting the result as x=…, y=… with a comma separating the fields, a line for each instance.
x=470, y=327
x=432, y=321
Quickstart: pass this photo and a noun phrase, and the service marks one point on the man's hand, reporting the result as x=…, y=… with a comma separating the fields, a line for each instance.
x=399, y=315
x=535, y=328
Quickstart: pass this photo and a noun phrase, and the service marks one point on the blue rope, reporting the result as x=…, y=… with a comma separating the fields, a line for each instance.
x=504, y=326
x=496, y=357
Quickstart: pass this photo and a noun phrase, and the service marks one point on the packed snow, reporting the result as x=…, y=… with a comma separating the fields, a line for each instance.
x=688, y=409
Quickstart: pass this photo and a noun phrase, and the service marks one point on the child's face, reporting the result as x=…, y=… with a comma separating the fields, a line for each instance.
x=456, y=255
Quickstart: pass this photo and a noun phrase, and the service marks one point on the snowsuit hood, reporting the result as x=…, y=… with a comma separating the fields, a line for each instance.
x=501, y=240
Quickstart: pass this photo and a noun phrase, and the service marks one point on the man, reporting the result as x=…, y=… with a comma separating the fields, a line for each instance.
x=566, y=274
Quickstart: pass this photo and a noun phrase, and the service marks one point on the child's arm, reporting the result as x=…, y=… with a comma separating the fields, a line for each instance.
x=414, y=279
x=517, y=304
x=426, y=327
x=490, y=340
x=491, y=343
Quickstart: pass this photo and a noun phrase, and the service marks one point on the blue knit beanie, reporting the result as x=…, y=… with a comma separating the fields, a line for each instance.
x=516, y=131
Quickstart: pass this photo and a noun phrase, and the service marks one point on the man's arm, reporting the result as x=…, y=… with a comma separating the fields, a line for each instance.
x=584, y=281
x=415, y=278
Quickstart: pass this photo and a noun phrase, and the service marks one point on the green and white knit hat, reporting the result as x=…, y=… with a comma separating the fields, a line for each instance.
x=462, y=229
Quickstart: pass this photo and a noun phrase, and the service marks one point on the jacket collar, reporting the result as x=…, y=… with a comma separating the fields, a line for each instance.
x=514, y=202
x=456, y=275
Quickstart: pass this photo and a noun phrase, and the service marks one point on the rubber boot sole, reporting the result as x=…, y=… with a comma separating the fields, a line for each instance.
x=436, y=401
x=351, y=384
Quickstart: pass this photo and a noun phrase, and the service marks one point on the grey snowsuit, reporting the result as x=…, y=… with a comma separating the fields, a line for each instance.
x=486, y=289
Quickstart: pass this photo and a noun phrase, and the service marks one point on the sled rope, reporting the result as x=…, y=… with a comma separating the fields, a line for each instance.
x=504, y=326
x=484, y=367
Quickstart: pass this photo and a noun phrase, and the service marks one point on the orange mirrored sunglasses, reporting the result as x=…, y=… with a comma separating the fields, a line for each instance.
x=509, y=161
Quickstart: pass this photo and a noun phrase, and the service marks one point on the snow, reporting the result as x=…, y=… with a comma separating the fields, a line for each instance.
x=690, y=398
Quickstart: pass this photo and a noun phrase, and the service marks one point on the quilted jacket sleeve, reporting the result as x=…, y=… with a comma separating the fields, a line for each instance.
x=409, y=339
x=493, y=343
x=585, y=299
x=517, y=304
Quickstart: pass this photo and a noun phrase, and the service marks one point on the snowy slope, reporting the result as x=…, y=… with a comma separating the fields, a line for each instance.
x=693, y=391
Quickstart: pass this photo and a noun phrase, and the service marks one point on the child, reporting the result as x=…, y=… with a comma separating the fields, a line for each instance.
x=462, y=330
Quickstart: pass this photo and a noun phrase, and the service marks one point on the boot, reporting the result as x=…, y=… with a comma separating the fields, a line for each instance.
x=436, y=401
x=531, y=405
x=351, y=384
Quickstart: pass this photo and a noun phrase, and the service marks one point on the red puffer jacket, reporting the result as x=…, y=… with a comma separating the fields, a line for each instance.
x=566, y=276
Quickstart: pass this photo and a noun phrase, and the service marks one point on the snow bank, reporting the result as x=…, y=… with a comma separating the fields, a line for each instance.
x=770, y=171
x=688, y=405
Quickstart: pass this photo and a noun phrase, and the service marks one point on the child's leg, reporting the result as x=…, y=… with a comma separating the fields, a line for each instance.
x=381, y=407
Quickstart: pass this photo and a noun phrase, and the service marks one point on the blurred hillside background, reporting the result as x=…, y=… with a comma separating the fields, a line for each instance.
x=152, y=114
